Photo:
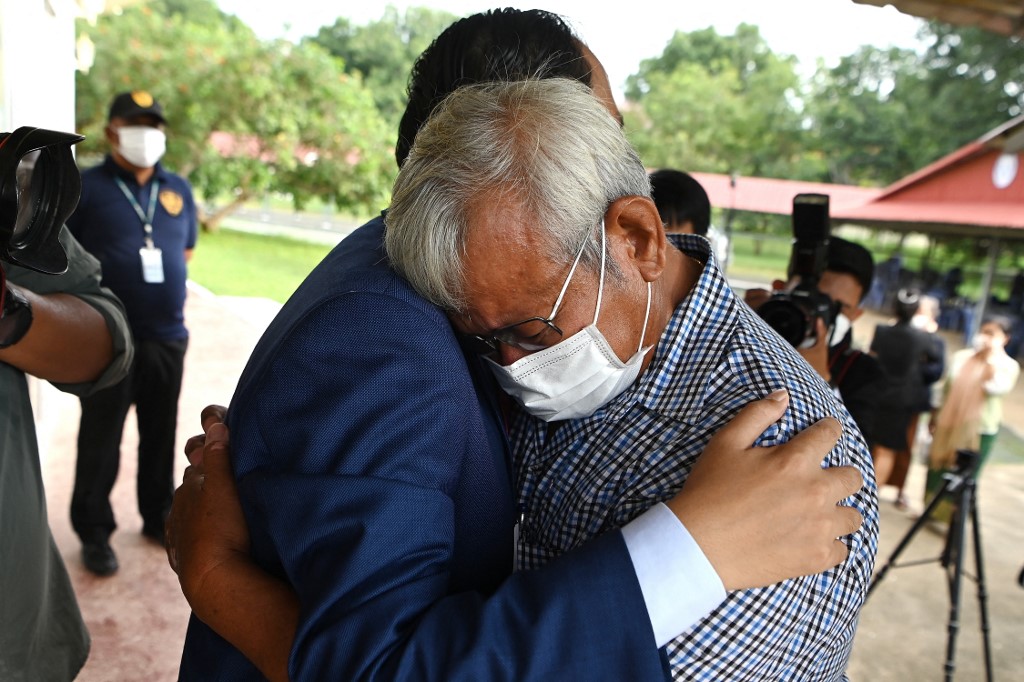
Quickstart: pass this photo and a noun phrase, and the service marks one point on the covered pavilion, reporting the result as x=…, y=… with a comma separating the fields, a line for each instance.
x=976, y=191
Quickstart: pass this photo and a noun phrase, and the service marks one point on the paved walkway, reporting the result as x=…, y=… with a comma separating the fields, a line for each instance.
x=137, y=617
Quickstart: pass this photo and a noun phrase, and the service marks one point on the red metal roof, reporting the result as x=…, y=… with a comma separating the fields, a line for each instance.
x=770, y=195
x=979, y=186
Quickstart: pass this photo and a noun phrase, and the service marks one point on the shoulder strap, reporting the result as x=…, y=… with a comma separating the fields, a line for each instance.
x=850, y=358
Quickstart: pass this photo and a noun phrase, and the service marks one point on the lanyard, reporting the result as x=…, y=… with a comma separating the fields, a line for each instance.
x=146, y=218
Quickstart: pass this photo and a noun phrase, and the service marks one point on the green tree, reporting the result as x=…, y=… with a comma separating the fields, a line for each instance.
x=883, y=114
x=382, y=52
x=975, y=81
x=719, y=104
x=863, y=111
x=245, y=117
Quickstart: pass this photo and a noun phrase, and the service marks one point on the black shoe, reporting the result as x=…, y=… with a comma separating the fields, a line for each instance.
x=154, y=531
x=99, y=558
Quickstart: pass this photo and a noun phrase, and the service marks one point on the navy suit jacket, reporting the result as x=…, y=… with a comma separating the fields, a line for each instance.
x=374, y=476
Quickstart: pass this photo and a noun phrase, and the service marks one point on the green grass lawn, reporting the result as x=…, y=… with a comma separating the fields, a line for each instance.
x=234, y=263
x=763, y=260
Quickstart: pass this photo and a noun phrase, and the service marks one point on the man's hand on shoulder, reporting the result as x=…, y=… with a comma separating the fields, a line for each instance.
x=762, y=515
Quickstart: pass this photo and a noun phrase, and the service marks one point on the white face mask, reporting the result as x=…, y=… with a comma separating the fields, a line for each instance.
x=141, y=146
x=576, y=376
x=840, y=329
x=924, y=323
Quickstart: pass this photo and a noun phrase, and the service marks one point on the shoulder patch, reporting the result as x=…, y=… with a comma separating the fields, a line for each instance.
x=171, y=201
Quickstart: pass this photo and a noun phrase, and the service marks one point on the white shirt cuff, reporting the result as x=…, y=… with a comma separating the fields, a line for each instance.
x=678, y=582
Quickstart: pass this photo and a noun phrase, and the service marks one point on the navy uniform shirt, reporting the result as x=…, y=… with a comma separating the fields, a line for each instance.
x=107, y=225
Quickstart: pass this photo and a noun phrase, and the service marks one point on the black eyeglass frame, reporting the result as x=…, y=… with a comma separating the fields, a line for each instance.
x=507, y=336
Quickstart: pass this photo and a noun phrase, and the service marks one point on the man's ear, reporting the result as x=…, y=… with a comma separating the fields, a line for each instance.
x=637, y=235
x=111, y=134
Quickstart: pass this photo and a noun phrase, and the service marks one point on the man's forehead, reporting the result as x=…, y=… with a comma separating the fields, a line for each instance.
x=498, y=244
x=842, y=286
x=508, y=268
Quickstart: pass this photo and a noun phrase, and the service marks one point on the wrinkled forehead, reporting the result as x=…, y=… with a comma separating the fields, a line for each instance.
x=507, y=264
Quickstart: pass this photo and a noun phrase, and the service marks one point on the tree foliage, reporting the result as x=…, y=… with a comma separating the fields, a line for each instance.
x=382, y=52
x=317, y=118
x=882, y=114
x=294, y=122
x=716, y=103
x=863, y=115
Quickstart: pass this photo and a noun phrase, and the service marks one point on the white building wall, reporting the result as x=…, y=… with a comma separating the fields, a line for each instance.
x=37, y=64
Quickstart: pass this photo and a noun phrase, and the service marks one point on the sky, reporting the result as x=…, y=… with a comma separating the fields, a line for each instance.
x=807, y=29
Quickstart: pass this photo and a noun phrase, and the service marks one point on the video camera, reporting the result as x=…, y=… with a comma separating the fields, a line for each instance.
x=793, y=314
x=39, y=188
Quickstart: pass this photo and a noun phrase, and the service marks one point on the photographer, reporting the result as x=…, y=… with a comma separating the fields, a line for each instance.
x=845, y=280
x=57, y=324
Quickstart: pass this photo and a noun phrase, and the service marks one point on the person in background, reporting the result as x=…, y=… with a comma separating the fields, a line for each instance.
x=139, y=220
x=70, y=331
x=927, y=320
x=856, y=375
x=912, y=361
x=972, y=404
x=682, y=202
x=684, y=207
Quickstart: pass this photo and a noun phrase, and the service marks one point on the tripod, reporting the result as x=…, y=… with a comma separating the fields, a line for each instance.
x=961, y=487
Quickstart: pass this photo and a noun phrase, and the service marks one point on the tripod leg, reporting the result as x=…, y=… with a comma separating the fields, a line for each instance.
x=926, y=515
x=956, y=529
x=982, y=592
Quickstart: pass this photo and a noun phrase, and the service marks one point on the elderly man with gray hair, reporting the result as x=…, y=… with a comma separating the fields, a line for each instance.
x=524, y=213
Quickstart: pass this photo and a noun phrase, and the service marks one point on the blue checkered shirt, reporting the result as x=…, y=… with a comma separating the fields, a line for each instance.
x=594, y=474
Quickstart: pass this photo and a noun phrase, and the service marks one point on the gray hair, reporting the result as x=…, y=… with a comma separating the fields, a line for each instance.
x=545, y=145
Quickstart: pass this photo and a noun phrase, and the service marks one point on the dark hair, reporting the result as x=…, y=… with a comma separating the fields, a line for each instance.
x=1001, y=321
x=906, y=304
x=680, y=199
x=852, y=259
x=497, y=45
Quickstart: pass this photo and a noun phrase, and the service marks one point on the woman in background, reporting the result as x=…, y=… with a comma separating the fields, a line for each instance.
x=972, y=408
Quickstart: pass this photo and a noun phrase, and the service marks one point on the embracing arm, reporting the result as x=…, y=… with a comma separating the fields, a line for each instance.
x=751, y=538
x=208, y=546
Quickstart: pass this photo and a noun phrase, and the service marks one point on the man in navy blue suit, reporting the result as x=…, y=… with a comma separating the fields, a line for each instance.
x=371, y=466
x=526, y=215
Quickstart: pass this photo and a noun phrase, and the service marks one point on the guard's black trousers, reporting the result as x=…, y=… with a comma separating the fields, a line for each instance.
x=153, y=385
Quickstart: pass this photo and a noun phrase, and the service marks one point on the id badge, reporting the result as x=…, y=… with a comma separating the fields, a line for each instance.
x=152, y=265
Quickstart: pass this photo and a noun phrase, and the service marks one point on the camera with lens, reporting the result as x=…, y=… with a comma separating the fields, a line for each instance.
x=39, y=188
x=794, y=313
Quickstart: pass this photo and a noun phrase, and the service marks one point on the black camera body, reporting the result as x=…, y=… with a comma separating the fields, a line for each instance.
x=794, y=314
x=39, y=189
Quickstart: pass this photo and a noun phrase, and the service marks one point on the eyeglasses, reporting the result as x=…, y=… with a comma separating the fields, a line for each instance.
x=528, y=335
x=532, y=334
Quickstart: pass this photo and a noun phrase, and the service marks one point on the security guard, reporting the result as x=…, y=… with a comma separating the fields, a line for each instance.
x=139, y=220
